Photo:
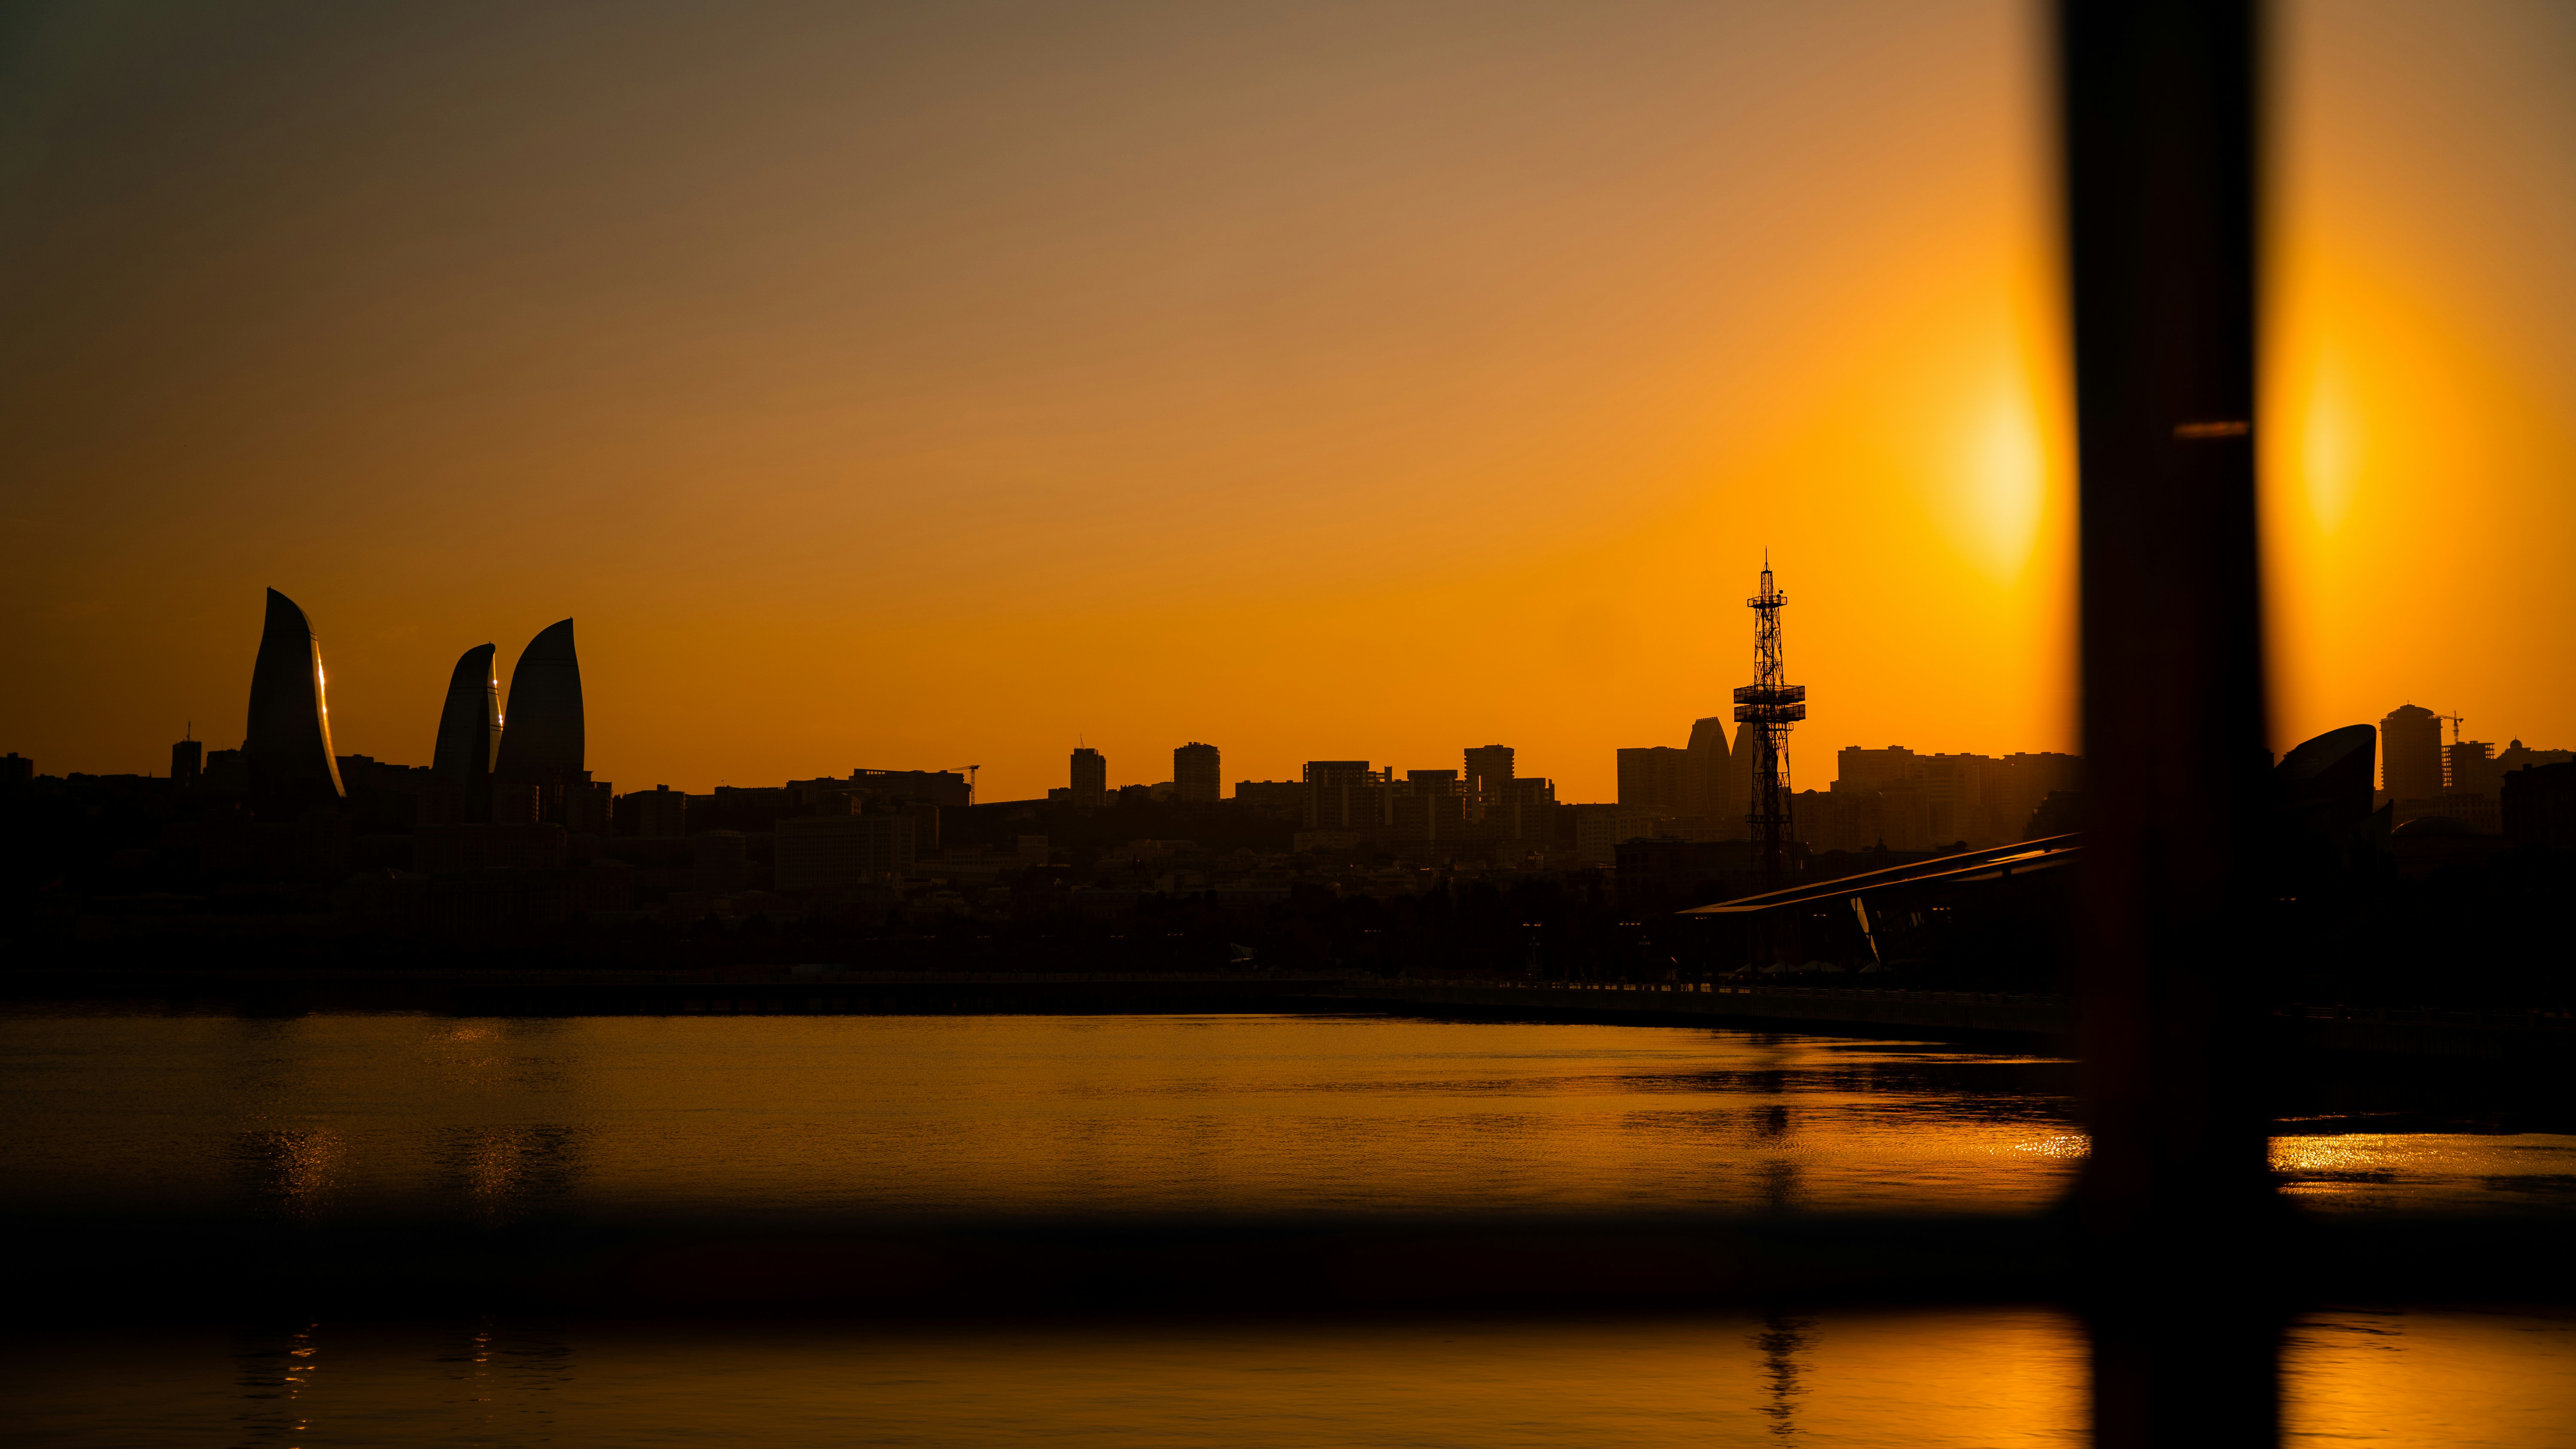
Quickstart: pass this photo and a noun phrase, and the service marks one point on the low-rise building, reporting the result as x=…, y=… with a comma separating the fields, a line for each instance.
x=1599, y=830
x=2539, y=805
x=1283, y=798
x=456, y=849
x=843, y=852
x=661, y=813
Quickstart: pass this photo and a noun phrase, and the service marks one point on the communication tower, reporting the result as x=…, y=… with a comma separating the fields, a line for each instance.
x=1766, y=708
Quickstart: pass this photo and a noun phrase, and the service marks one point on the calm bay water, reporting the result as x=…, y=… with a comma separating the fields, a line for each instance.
x=1014, y=1113
x=321, y=1116
x=492, y=1116
x=1971, y=1377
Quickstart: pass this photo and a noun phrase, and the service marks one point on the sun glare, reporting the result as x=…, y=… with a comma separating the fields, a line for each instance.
x=2329, y=446
x=2002, y=484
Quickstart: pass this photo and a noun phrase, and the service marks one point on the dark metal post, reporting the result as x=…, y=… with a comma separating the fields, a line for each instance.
x=2177, y=1201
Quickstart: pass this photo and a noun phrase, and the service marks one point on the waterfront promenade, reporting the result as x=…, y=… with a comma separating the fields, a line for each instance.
x=2041, y=1021
x=2032, y=1023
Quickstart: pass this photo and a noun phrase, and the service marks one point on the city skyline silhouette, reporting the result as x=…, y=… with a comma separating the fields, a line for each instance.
x=1107, y=426
x=1279, y=724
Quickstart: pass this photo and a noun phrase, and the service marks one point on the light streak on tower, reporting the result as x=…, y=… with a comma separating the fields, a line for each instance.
x=1766, y=708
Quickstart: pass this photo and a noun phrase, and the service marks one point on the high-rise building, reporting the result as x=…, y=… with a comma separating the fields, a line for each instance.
x=188, y=760
x=1197, y=776
x=1705, y=778
x=1520, y=810
x=288, y=744
x=2020, y=781
x=2469, y=768
x=537, y=770
x=1954, y=788
x=469, y=732
x=1338, y=794
x=2410, y=753
x=1931, y=801
x=545, y=730
x=1488, y=775
x=1424, y=816
x=1856, y=768
x=1739, y=787
x=1840, y=819
x=1654, y=777
x=1090, y=778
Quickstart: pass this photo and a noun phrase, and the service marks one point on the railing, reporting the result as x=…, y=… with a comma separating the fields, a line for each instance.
x=1711, y=988
x=2548, y=1021
x=2535, y=1020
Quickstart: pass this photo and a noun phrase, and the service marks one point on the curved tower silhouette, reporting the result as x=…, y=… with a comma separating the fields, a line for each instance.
x=469, y=730
x=545, y=729
x=1704, y=771
x=288, y=745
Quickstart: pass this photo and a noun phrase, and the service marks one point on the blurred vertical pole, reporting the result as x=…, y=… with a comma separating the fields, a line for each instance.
x=2176, y=1203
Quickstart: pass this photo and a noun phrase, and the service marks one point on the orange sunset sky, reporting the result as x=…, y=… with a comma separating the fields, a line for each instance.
x=916, y=386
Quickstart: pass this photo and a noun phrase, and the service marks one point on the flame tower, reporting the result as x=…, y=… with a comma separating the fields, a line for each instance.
x=288, y=744
x=545, y=724
x=537, y=769
x=469, y=731
x=1766, y=708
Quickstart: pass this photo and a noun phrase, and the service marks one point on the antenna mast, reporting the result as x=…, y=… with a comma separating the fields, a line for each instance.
x=1766, y=708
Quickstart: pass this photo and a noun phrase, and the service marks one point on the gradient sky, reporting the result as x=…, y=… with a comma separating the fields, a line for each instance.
x=923, y=386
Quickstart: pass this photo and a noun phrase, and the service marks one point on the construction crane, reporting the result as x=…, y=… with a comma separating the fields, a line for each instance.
x=969, y=772
x=2456, y=722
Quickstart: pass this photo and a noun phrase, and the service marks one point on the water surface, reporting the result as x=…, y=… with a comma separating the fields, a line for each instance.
x=1964, y=1377
x=494, y=1119
x=499, y=1116
x=1014, y=1113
